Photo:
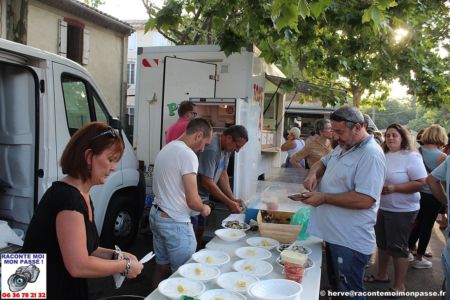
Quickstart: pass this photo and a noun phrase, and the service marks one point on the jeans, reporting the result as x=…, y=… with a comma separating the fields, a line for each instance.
x=173, y=242
x=429, y=209
x=346, y=269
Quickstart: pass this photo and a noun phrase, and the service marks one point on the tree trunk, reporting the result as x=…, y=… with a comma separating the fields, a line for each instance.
x=357, y=93
x=16, y=20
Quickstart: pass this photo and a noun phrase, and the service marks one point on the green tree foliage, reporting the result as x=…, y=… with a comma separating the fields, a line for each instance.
x=348, y=44
x=408, y=112
x=400, y=111
x=94, y=3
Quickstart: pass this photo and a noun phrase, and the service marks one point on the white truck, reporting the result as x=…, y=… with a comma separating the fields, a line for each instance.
x=239, y=89
x=44, y=99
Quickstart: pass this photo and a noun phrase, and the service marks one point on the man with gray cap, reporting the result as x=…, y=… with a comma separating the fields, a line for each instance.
x=345, y=188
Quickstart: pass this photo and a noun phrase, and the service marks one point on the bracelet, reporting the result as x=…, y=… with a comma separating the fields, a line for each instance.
x=127, y=267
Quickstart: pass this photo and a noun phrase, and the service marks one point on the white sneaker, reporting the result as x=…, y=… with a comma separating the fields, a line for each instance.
x=410, y=257
x=422, y=264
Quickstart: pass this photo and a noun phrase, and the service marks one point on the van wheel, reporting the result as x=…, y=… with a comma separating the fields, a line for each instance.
x=121, y=223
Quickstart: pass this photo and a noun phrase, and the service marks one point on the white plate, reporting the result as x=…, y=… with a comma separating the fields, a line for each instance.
x=308, y=265
x=221, y=294
x=199, y=271
x=253, y=253
x=243, y=226
x=263, y=242
x=211, y=257
x=256, y=267
x=236, y=282
x=172, y=287
x=230, y=235
x=297, y=246
x=275, y=289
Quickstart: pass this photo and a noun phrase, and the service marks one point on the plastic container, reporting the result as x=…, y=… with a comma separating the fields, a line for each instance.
x=251, y=214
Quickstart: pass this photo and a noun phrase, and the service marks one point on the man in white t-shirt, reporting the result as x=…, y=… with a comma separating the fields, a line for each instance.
x=176, y=197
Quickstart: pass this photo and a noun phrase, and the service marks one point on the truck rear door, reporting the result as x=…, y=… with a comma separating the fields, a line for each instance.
x=245, y=163
x=184, y=79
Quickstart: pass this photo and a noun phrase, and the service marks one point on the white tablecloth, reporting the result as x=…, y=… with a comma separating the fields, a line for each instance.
x=311, y=280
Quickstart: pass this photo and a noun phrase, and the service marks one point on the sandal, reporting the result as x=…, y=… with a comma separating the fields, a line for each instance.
x=373, y=279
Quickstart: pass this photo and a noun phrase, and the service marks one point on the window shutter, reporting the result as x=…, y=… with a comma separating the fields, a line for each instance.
x=86, y=48
x=62, y=38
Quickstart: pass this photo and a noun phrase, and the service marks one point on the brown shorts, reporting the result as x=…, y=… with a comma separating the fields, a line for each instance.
x=392, y=231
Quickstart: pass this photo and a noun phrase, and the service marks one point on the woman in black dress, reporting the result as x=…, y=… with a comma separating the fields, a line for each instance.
x=63, y=225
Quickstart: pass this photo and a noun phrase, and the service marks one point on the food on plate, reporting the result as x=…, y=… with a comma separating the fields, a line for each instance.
x=248, y=267
x=264, y=243
x=299, y=249
x=235, y=225
x=308, y=264
x=283, y=247
x=218, y=298
x=233, y=234
x=209, y=259
x=276, y=217
x=294, y=257
x=250, y=252
x=180, y=288
x=241, y=284
x=199, y=271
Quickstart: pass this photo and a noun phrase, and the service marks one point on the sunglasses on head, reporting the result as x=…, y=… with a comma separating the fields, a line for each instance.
x=336, y=117
x=109, y=132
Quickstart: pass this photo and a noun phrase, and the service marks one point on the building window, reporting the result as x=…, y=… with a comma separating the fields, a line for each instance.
x=130, y=116
x=131, y=69
x=73, y=41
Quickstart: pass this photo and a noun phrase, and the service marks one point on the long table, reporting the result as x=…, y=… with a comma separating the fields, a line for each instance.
x=311, y=279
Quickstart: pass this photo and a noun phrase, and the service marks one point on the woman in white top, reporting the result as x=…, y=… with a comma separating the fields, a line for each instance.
x=399, y=204
x=293, y=145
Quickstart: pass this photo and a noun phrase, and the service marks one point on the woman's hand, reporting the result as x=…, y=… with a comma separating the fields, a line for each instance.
x=130, y=256
x=135, y=268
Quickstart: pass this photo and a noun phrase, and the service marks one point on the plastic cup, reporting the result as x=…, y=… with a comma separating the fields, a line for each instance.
x=294, y=272
x=251, y=214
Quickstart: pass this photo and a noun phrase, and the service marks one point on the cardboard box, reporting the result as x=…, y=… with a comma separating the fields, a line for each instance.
x=283, y=232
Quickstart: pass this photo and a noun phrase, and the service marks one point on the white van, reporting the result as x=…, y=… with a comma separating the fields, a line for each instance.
x=44, y=99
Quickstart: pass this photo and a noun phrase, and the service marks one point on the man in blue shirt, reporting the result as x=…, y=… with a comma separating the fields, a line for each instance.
x=348, y=181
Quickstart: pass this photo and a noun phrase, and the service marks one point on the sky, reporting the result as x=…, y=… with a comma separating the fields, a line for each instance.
x=135, y=10
x=127, y=9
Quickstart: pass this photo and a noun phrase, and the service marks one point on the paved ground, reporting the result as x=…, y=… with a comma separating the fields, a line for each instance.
x=417, y=280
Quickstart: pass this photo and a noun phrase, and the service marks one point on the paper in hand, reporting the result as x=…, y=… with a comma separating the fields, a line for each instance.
x=147, y=257
x=118, y=278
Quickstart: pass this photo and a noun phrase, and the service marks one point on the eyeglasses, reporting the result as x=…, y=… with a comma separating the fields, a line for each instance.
x=111, y=132
x=335, y=117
